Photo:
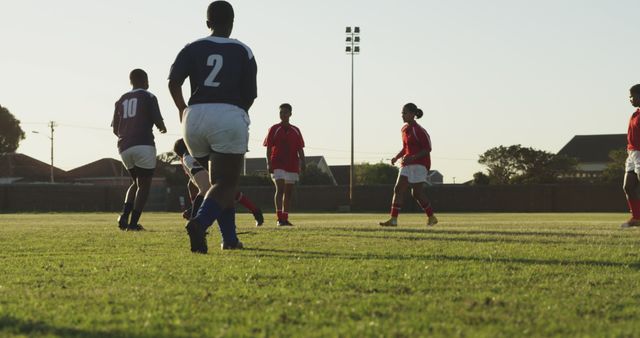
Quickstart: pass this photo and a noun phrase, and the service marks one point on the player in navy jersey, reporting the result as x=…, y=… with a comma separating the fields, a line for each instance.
x=199, y=184
x=415, y=163
x=135, y=114
x=215, y=124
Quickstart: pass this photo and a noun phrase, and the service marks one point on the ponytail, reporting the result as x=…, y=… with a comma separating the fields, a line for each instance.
x=419, y=113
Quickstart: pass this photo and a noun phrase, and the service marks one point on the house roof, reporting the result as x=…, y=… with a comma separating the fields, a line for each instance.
x=27, y=168
x=259, y=165
x=593, y=148
x=105, y=167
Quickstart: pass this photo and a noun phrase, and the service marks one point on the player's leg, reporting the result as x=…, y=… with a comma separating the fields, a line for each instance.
x=278, y=198
x=202, y=184
x=286, y=201
x=225, y=172
x=143, y=181
x=399, y=190
x=417, y=191
x=631, y=188
x=243, y=200
x=127, y=207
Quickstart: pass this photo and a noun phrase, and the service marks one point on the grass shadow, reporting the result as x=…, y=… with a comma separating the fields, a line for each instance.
x=14, y=326
x=277, y=253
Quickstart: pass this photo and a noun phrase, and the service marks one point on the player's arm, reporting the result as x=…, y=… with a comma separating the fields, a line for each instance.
x=175, y=88
x=303, y=160
x=397, y=157
x=115, y=123
x=269, y=167
x=157, y=116
x=250, y=88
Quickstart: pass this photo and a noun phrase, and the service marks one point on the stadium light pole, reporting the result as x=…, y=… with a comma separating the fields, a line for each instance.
x=353, y=48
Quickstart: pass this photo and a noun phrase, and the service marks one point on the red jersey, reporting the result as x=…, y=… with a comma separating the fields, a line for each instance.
x=284, y=142
x=633, y=133
x=414, y=140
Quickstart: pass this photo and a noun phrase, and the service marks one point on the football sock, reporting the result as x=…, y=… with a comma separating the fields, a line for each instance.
x=208, y=212
x=285, y=216
x=279, y=213
x=635, y=208
x=395, y=210
x=427, y=208
x=245, y=202
x=195, y=205
x=126, y=209
x=135, y=217
x=227, y=225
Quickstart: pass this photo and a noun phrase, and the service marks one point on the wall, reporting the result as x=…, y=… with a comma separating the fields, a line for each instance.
x=444, y=198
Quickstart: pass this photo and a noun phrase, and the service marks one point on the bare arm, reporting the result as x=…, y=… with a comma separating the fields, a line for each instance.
x=398, y=156
x=303, y=161
x=175, y=89
x=269, y=159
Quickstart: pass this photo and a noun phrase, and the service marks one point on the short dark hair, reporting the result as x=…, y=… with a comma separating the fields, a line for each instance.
x=286, y=105
x=220, y=14
x=411, y=107
x=138, y=76
x=635, y=90
x=180, y=148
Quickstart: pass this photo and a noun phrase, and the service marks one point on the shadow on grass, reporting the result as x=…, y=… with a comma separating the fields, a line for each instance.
x=277, y=253
x=13, y=326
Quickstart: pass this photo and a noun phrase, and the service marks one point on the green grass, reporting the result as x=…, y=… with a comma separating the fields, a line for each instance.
x=473, y=275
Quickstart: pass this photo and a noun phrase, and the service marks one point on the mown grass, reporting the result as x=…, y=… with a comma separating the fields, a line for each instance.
x=473, y=275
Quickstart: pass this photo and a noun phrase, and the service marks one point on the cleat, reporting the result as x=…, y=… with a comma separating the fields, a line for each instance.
x=389, y=223
x=432, y=221
x=259, y=218
x=630, y=223
x=123, y=224
x=135, y=227
x=197, y=237
x=284, y=223
x=237, y=246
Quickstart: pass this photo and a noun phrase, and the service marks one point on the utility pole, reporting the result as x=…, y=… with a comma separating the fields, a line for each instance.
x=353, y=48
x=52, y=126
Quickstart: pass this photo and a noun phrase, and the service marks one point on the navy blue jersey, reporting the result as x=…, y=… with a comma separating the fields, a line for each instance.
x=220, y=70
x=133, y=119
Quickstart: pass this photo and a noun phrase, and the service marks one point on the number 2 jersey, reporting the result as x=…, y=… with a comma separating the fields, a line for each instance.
x=135, y=114
x=220, y=70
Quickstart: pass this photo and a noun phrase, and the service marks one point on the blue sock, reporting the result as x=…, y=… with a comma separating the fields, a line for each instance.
x=126, y=209
x=197, y=202
x=208, y=212
x=227, y=224
x=135, y=217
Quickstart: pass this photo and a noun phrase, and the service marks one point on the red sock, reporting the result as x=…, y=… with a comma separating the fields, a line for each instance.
x=635, y=208
x=285, y=216
x=245, y=202
x=427, y=208
x=279, y=213
x=395, y=210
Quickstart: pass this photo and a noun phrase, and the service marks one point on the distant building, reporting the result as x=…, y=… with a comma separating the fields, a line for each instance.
x=20, y=168
x=107, y=171
x=592, y=152
x=341, y=175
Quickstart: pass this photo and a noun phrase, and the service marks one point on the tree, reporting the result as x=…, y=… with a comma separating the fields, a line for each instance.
x=312, y=175
x=517, y=164
x=10, y=132
x=614, y=172
x=480, y=178
x=379, y=173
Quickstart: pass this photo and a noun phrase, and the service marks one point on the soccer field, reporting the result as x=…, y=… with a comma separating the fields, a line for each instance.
x=76, y=275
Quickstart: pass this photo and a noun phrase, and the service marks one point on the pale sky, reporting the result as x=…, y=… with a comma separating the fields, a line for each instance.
x=485, y=73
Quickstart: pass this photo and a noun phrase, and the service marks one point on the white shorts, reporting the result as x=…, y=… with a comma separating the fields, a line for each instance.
x=139, y=156
x=633, y=161
x=415, y=173
x=219, y=127
x=287, y=176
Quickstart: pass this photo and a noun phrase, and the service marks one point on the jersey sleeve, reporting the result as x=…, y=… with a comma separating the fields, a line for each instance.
x=117, y=113
x=300, y=139
x=180, y=67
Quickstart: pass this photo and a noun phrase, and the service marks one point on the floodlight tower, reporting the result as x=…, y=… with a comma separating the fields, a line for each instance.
x=353, y=48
